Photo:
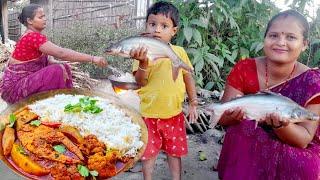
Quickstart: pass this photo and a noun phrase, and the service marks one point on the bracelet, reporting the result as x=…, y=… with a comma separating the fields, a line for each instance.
x=193, y=101
x=145, y=70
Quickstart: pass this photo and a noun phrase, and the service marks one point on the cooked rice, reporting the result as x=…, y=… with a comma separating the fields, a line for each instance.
x=111, y=126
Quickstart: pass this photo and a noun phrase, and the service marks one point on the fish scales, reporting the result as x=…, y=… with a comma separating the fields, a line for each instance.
x=256, y=106
x=155, y=49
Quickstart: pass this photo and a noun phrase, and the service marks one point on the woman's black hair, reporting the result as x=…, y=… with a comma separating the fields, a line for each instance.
x=28, y=12
x=166, y=9
x=293, y=13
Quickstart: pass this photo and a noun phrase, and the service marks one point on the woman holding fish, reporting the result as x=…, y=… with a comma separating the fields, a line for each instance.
x=280, y=147
x=29, y=69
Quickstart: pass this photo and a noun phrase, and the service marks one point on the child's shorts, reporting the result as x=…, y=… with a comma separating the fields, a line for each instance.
x=168, y=135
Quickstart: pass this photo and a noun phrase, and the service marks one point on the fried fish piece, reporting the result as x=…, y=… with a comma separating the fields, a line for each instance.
x=40, y=141
x=8, y=140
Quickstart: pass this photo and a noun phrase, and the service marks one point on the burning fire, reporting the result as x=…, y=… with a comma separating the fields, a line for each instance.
x=118, y=90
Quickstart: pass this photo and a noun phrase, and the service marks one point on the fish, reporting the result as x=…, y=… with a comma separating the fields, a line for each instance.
x=156, y=49
x=256, y=106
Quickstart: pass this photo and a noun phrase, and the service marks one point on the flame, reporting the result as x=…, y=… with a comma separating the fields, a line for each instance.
x=118, y=90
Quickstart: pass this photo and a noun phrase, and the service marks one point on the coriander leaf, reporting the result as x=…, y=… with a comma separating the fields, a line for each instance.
x=59, y=148
x=94, y=173
x=35, y=123
x=12, y=120
x=96, y=110
x=21, y=150
x=85, y=104
x=83, y=170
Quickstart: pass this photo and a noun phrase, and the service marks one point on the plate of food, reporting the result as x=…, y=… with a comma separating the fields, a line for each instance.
x=72, y=134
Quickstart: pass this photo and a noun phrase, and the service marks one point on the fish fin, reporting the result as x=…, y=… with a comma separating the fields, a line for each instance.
x=175, y=73
x=184, y=66
x=214, y=116
x=155, y=58
x=268, y=92
x=256, y=125
x=214, y=119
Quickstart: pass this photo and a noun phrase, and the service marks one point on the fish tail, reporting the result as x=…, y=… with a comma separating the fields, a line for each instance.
x=212, y=110
x=214, y=119
x=177, y=65
x=175, y=73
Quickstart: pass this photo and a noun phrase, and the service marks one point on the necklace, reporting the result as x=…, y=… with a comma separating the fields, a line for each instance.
x=267, y=77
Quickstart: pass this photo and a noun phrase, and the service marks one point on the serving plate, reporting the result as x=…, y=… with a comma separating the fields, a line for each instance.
x=135, y=116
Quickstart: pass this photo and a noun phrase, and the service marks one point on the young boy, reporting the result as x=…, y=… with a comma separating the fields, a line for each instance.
x=161, y=97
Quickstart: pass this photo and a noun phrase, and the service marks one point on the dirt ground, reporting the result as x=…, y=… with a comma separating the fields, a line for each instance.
x=193, y=168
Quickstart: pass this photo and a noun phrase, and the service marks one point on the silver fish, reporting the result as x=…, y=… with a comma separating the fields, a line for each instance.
x=156, y=49
x=256, y=106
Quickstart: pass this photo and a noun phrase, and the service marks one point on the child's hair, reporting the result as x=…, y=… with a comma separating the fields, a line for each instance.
x=293, y=13
x=166, y=9
x=28, y=12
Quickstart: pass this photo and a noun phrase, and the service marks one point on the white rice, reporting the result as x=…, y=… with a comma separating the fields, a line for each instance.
x=111, y=126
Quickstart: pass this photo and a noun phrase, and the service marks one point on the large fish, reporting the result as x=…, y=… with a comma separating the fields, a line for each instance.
x=256, y=106
x=156, y=49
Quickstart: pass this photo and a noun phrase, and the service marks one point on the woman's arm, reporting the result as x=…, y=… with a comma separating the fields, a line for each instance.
x=192, y=94
x=300, y=134
x=231, y=116
x=70, y=55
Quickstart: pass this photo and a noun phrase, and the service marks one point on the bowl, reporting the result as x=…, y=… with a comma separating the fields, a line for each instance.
x=119, y=83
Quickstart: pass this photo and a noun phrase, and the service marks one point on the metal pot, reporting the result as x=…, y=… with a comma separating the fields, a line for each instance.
x=121, y=84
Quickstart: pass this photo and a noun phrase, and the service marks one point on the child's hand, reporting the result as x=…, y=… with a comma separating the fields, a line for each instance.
x=139, y=54
x=193, y=114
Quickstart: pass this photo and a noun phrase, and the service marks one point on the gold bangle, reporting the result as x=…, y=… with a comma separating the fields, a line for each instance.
x=145, y=70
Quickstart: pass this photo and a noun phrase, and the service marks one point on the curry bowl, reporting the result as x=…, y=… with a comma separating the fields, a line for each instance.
x=120, y=166
x=122, y=83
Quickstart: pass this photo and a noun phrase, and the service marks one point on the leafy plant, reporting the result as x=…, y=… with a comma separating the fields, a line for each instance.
x=218, y=33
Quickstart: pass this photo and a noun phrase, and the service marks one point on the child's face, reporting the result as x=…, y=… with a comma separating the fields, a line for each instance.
x=161, y=27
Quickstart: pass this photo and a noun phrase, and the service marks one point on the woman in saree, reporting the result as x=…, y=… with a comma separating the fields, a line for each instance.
x=29, y=69
x=277, y=148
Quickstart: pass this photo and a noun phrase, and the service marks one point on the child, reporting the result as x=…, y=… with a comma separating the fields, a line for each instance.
x=161, y=97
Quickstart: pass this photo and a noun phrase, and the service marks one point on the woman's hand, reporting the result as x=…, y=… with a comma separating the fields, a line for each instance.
x=139, y=54
x=233, y=116
x=99, y=61
x=275, y=121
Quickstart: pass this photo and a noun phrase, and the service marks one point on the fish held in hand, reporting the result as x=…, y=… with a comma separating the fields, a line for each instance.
x=256, y=106
x=155, y=49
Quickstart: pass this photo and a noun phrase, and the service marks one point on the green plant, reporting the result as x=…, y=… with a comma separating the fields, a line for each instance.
x=218, y=33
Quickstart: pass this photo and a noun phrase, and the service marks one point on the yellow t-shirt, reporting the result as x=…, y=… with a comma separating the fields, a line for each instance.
x=162, y=97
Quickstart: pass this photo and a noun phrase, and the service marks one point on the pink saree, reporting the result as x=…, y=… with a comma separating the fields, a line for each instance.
x=24, y=79
x=256, y=153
